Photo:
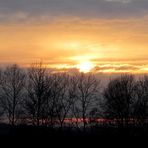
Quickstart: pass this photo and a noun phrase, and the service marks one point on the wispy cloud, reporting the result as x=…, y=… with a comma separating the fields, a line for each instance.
x=120, y=1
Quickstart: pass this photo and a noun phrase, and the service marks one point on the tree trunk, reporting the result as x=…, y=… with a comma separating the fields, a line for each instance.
x=13, y=110
x=38, y=113
x=84, y=123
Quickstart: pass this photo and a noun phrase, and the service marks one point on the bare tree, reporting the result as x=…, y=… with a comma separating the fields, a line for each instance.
x=57, y=101
x=52, y=92
x=36, y=89
x=0, y=76
x=119, y=96
x=12, y=91
x=1, y=108
x=140, y=112
x=73, y=95
x=85, y=96
x=63, y=101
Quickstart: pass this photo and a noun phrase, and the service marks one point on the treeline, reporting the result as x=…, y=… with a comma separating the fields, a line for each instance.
x=38, y=97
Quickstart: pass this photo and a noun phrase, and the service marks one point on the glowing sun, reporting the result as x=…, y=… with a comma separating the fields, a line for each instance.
x=85, y=66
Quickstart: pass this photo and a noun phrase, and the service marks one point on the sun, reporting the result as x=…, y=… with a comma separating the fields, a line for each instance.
x=85, y=66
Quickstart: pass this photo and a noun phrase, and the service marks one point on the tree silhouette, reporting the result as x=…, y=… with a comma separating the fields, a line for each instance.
x=63, y=101
x=0, y=76
x=36, y=89
x=141, y=105
x=12, y=91
x=1, y=108
x=119, y=96
x=85, y=95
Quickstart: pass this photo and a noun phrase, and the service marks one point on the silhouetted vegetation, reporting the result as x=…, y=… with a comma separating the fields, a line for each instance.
x=12, y=91
x=119, y=99
x=40, y=101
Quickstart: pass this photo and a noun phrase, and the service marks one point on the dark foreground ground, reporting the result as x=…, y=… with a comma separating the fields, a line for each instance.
x=42, y=131
x=67, y=137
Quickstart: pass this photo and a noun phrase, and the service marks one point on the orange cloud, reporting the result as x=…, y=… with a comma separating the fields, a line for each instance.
x=70, y=41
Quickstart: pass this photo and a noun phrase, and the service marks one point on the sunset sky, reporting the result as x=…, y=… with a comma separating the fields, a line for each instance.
x=89, y=35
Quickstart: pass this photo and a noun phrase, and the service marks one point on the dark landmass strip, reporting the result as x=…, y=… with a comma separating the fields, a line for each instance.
x=43, y=131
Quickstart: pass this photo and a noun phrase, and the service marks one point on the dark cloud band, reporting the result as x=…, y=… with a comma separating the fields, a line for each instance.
x=80, y=8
